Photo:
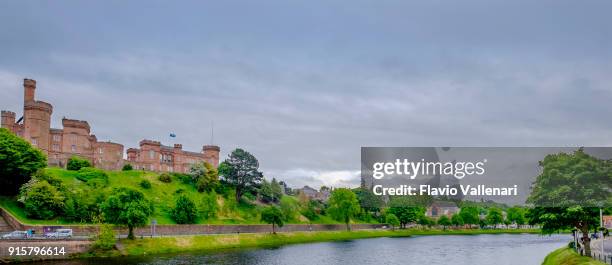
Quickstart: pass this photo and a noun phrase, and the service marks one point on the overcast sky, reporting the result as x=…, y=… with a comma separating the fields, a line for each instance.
x=303, y=85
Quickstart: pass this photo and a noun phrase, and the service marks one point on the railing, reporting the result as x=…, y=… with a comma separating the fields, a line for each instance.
x=607, y=259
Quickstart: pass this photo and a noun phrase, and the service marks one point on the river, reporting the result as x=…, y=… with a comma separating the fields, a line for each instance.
x=523, y=249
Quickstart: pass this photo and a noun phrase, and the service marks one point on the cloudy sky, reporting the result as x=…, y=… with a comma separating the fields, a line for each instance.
x=304, y=84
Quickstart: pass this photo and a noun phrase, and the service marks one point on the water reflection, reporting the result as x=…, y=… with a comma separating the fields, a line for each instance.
x=457, y=250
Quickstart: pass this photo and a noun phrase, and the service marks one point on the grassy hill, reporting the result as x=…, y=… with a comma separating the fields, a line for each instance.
x=161, y=194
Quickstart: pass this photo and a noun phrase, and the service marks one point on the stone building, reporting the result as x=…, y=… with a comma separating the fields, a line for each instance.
x=439, y=208
x=154, y=156
x=75, y=139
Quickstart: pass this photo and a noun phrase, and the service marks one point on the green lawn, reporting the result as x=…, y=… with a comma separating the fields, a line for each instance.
x=567, y=256
x=161, y=194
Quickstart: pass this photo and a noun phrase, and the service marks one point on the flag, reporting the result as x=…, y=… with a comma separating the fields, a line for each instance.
x=172, y=135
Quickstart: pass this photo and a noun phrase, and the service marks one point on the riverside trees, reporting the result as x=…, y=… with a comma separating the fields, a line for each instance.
x=18, y=161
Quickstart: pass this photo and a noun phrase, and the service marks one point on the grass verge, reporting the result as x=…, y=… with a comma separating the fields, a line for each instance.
x=567, y=256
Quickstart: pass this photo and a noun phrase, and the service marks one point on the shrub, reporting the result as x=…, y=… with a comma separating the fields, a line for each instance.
x=145, y=184
x=165, y=177
x=41, y=200
x=205, y=176
x=392, y=220
x=94, y=177
x=185, y=211
x=105, y=239
x=127, y=167
x=76, y=163
x=289, y=208
x=18, y=161
x=209, y=207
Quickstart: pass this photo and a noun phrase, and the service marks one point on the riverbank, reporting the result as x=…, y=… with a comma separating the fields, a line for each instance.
x=567, y=256
x=213, y=243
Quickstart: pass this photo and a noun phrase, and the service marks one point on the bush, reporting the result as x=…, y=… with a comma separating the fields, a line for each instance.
x=289, y=208
x=204, y=176
x=127, y=167
x=94, y=177
x=76, y=163
x=185, y=211
x=145, y=184
x=165, y=177
x=41, y=200
x=209, y=206
x=18, y=161
x=105, y=239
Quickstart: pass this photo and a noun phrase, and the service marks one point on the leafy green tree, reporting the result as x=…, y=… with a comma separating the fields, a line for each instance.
x=105, y=239
x=277, y=190
x=289, y=207
x=425, y=221
x=241, y=170
x=444, y=221
x=184, y=211
x=75, y=163
x=516, y=215
x=343, y=205
x=470, y=215
x=569, y=191
x=265, y=192
x=392, y=220
x=495, y=216
x=272, y=215
x=456, y=220
x=309, y=210
x=127, y=207
x=205, y=176
x=127, y=167
x=209, y=205
x=18, y=162
x=367, y=199
x=406, y=210
x=41, y=200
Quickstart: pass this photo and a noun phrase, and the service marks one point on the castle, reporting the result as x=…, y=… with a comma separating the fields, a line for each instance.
x=75, y=139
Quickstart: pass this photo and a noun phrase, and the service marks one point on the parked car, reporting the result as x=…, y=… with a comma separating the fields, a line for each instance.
x=16, y=235
x=60, y=233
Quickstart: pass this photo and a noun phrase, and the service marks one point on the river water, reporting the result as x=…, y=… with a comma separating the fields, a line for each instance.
x=524, y=249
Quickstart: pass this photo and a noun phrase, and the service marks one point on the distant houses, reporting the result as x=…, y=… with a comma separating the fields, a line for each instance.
x=440, y=208
x=313, y=194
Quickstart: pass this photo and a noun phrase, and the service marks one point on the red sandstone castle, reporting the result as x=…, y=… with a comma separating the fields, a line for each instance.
x=75, y=139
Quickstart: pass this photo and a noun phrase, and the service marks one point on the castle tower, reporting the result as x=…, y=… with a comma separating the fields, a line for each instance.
x=8, y=120
x=211, y=154
x=36, y=117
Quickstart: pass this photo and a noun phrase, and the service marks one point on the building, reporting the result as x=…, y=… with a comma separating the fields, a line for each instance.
x=440, y=208
x=314, y=194
x=75, y=139
x=154, y=156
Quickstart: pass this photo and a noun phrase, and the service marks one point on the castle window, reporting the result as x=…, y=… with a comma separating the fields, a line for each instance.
x=56, y=147
x=34, y=141
x=152, y=154
x=100, y=150
x=56, y=138
x=73, y=148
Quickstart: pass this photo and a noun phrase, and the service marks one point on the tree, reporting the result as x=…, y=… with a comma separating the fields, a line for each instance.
x=265, y=192
x=569, y=191
x=406, y=210
x=127, y=207
x=277, y=190
x=456, y=220
x=495, y=216
x=392, y=220
x=516, y=215
x=209, y=206
x=205, y=176
x=343, y=205
x=425, y=221
x=41, y=200
x=18, y=162
x=289, y=208
x=184, y=211
x=76, y=163
x=470, y=215
x=272, y=215
x=241, y=170
x=444, y=221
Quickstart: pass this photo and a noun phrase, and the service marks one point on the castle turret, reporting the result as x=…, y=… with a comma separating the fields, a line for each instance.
x=29, y=89
x=36, y=117
x=8, y=120
x=211, y=154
